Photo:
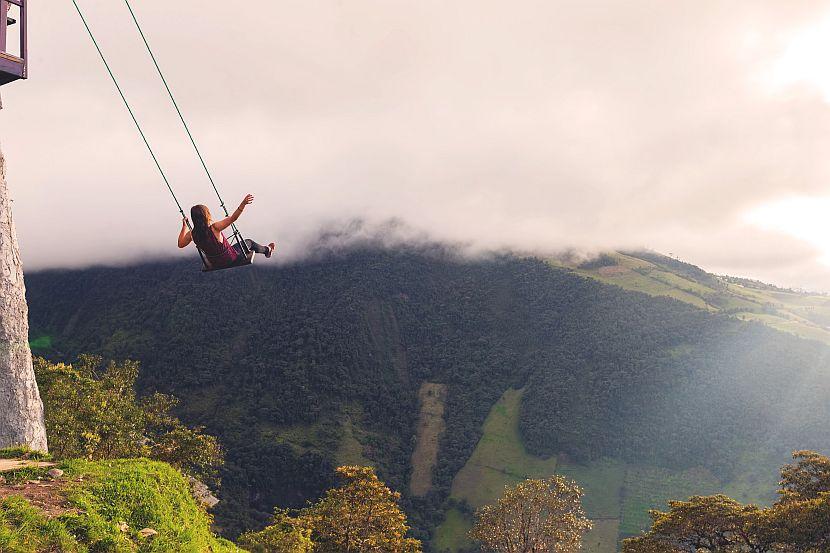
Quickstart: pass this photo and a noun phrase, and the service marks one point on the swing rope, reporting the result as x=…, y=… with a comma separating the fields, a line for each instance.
x=235, y=231
x=176, y=105
x=129, y=109
x=240, y=242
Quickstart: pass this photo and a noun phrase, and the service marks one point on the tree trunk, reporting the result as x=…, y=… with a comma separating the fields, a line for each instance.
x=21, y=410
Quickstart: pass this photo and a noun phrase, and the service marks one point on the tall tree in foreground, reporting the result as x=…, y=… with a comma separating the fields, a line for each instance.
x=359, y=516
x=535, y=516
x=712, y=523
x=21, y=411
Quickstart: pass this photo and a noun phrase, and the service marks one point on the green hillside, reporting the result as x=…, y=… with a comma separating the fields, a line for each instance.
x=300, y=367
x=82, y=510
x=804, y=314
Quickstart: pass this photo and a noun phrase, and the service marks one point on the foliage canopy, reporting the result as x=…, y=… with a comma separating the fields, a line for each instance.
x=361, y=515
x=535, y=516
x=92, y=412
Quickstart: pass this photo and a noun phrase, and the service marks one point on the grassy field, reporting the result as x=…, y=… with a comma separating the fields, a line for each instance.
x=350, y=449
x=650, y=488
x=791, y=325
x=602, y=481
x=500, y=458
x=617, y=497
x=642, y=276
x=803, y=314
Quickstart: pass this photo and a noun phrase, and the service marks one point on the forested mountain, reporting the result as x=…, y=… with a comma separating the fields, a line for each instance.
x=300, y=367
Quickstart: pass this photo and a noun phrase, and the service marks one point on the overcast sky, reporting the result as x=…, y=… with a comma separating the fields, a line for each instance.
x=697, y=128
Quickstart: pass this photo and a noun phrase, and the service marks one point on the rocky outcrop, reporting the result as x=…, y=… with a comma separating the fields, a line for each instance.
x=21, y=410
x=202, y=494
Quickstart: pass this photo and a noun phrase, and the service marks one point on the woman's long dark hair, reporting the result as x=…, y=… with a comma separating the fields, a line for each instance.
x=200, y=215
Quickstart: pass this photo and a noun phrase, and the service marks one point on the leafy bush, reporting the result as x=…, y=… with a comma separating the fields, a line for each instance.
x=93, y=413
x=285, y=534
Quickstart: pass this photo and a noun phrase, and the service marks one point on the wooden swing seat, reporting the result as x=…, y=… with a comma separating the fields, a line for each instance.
x=240, y=262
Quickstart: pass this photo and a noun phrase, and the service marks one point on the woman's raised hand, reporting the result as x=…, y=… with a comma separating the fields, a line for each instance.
x=249, y=199
x=185, y=222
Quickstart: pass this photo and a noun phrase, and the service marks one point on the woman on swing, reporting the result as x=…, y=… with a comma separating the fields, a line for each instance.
x=208, y=236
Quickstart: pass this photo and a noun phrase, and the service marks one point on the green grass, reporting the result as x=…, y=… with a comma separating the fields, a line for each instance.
x=500, y=458
x=602, y=482
x=350, y=449
x=343, y=434
x=24, y=529
x=41, y=344
x=23, y=453
x=757, y=482
x=803, y=314
x=651, y=488
x=681, y=283
x=452, y=534
x=792, y=325
x=638, y=275
x=140, y=492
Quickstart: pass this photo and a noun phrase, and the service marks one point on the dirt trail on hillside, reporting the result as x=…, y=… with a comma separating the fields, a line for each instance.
x=8, y=465
x=430, y=427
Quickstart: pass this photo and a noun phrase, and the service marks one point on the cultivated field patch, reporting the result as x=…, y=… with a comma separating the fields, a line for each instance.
x=500, y=458
x=431, y=398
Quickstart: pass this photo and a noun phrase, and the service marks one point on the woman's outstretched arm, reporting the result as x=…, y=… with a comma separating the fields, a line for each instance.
x=185, y=237
x=219, y=226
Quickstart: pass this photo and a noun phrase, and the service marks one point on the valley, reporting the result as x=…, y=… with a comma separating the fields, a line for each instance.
x=639, y=377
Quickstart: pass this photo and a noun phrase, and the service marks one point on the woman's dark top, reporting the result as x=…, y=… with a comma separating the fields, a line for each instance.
x=218, y=254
